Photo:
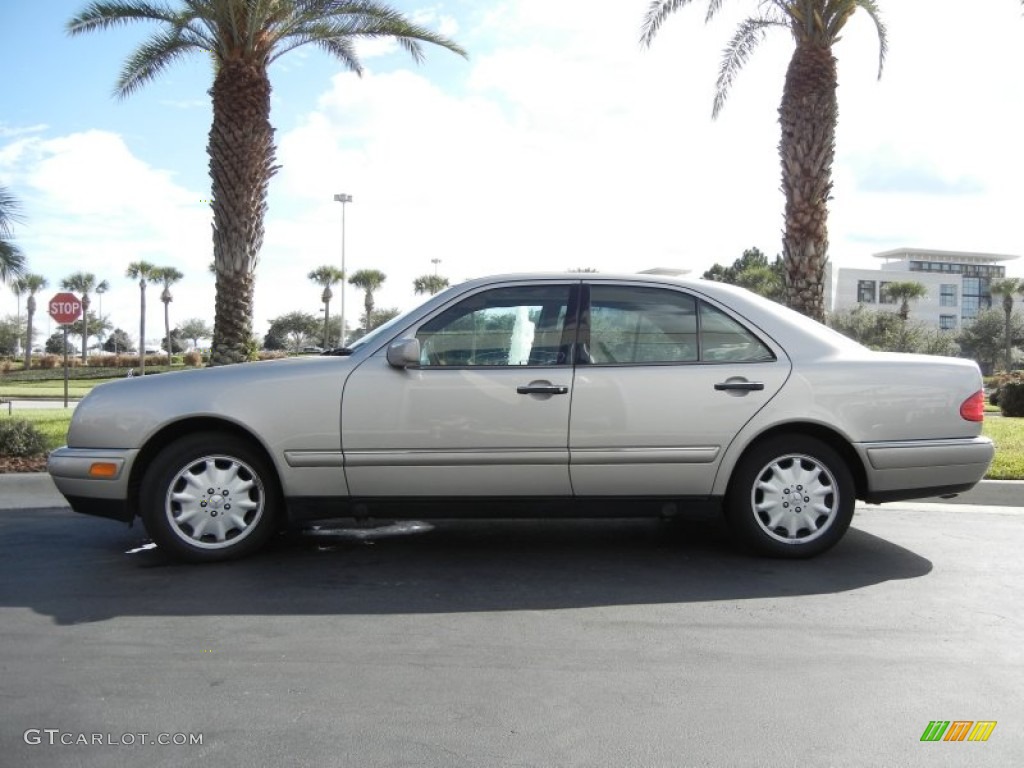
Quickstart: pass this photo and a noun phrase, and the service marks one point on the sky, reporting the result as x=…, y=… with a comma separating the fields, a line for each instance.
x=560, y=143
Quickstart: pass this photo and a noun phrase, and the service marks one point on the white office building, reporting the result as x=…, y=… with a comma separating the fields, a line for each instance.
x=957, y=283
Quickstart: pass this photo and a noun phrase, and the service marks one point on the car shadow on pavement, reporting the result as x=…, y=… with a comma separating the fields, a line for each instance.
x=80, y=570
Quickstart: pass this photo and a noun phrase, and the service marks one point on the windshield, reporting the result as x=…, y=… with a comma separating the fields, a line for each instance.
x=380, y=330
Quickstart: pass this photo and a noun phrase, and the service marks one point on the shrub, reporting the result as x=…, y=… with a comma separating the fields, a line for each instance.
x=49, y=361
x=193, y=358
x=6, y=366
x=1000, y=382
x=19, y=437
x=271, y=355
x=1011, y=398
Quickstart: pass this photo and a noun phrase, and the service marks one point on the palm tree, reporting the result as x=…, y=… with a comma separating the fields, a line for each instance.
x=168, y=276
x=808, y=115
x=12, y=260
x=1008, y=288
x=33, y=284
x=244, y=37
x=429, y=284
x=905, y=291
x=369, y=280
x=142, y=271
x=82, y=282
x=326, y=276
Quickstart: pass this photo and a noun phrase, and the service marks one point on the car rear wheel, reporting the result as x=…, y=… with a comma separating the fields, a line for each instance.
x=790, y=496
x=209, y=497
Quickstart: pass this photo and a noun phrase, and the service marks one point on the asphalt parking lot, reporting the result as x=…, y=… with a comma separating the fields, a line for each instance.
x=578, y=643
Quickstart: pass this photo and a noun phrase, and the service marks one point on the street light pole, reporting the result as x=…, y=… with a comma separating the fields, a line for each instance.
x=435, y=261
x=343, y=199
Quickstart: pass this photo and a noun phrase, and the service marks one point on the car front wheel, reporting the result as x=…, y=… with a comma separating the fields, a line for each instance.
x=209, y=497
x=790, y=496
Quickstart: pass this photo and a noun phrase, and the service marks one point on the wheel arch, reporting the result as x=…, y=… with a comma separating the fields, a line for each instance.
x=831, y=437
x=176, y=430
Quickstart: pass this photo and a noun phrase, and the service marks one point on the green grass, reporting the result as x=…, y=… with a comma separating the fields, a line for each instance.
x=1007, y=433
x=52, y=422
x=31, y=389
x=50, y=382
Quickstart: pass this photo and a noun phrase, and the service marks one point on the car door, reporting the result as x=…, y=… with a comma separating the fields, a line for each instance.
x=486, y=411
x=664, y=382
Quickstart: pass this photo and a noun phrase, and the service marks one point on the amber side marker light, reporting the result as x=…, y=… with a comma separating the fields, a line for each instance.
x=973, y=408
x=103, y=469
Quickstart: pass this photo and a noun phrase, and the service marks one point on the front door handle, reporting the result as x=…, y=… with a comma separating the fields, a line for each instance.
x=739, y=386
x=542, y=389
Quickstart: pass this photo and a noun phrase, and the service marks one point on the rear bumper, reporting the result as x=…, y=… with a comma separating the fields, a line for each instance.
x=917, y=469
x=100, y=496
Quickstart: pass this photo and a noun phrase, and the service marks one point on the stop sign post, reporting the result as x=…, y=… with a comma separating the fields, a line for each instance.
x=65, y=308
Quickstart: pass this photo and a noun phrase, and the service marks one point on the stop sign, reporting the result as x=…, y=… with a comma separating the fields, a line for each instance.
x=65, y=308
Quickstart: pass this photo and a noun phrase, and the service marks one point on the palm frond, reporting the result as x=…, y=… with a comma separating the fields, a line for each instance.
x=871, y=8
x=10, y=212
x=336, y=36
x=12, y=261
x=737, y=53
x=153, y=57
x=104, y=15
x=658, y=11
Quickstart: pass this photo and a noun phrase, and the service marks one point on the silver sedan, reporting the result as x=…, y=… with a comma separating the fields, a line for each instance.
x=537, y=395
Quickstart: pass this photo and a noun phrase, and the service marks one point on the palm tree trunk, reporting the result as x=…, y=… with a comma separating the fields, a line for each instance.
x=808, y=116
x=327, y=324
x=233, y=316
x=241, y=150
x=142, y=326
x=28, y=331
x=1008, y=310
x=167, y=328
x=85, y=325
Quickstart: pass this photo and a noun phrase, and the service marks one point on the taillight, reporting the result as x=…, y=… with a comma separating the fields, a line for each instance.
x=973, y=408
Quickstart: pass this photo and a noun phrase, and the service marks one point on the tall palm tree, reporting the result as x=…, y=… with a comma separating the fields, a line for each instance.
x=12, y=259
x=1008, y=288
x=429, y=284
x=142, y=271
x=369, y=280
x=83, y=283
x=244, y=37
x=168, y=276
x=327, y=276
x=33, y=284
x=808, y=115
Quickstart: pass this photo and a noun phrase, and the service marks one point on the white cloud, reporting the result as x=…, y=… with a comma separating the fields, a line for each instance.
x=561, y=143
x=93, y=206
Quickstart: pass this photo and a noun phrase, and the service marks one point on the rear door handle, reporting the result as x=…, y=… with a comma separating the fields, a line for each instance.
x=542, y=389
x=740, y=386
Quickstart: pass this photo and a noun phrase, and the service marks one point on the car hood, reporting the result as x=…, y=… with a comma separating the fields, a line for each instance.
x=125, y=413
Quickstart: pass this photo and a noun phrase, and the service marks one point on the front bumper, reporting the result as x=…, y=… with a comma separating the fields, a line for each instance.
x=915, y=469
x=103, y=496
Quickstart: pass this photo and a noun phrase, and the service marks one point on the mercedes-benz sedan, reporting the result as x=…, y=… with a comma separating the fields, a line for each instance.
x=537, y=395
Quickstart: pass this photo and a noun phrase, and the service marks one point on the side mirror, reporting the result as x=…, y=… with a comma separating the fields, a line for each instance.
x=404, y=353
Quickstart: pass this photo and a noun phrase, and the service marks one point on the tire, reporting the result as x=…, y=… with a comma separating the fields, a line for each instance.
x=791, y=496
x=209, y=497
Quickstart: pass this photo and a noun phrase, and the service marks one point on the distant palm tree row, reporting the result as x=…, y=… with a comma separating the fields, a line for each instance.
x=369, y=280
